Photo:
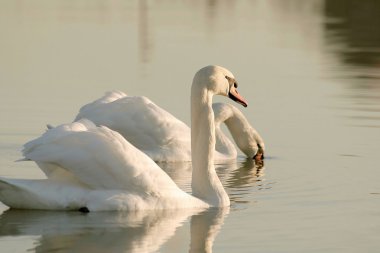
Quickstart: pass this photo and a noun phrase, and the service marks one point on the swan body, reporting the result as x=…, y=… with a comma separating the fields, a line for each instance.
x=97, y=169
x=93, y=167
x=148, y=127
x=162, y=136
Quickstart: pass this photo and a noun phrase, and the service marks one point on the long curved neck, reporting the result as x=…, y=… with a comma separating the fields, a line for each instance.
x=223, y=144
x=241, y=130
x=243, y=133
x=238, y=124
x=205, y=182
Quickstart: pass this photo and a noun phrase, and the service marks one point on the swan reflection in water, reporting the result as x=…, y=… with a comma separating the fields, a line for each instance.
x=142, y=231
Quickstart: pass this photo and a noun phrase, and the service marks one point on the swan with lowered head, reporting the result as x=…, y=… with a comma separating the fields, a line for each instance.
x=162, y=136
x=94, y=168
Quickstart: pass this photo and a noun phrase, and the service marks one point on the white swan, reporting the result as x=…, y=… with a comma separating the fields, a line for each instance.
x=94, y=168
x=162, y=136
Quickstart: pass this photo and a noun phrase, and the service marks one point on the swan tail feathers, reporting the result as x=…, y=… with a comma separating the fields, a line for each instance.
x=14, y=196
x=38, y=194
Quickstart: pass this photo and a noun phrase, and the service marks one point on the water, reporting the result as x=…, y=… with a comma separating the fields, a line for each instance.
x=309, y=70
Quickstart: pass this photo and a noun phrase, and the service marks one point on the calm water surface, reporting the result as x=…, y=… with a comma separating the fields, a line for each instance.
x=309, y=69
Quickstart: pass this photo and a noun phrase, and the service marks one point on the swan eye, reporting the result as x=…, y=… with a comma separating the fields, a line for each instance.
x=232, y=81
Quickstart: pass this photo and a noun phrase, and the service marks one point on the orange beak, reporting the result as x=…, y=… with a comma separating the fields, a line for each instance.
x=235, y=96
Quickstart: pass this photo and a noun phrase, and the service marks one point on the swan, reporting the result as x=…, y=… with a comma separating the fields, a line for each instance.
x=162, y=136
x=91, y=168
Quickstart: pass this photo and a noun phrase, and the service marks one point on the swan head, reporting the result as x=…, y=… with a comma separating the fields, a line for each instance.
x=246, y=137
x=260, y=153
x=220, y=81
x=250, y=142
x=250, y=146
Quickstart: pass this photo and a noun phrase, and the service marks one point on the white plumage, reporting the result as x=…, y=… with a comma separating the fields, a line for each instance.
x=162, y=136
x=96, y=168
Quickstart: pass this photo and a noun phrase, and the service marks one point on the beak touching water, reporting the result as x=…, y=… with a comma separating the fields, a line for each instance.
x=259, y=155
x=234, y=95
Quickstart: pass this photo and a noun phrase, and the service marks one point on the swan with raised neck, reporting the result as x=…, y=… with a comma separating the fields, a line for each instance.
x=94, y=168
x=207, y=82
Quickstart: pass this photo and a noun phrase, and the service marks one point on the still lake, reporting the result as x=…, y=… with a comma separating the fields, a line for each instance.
x=310, y=71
